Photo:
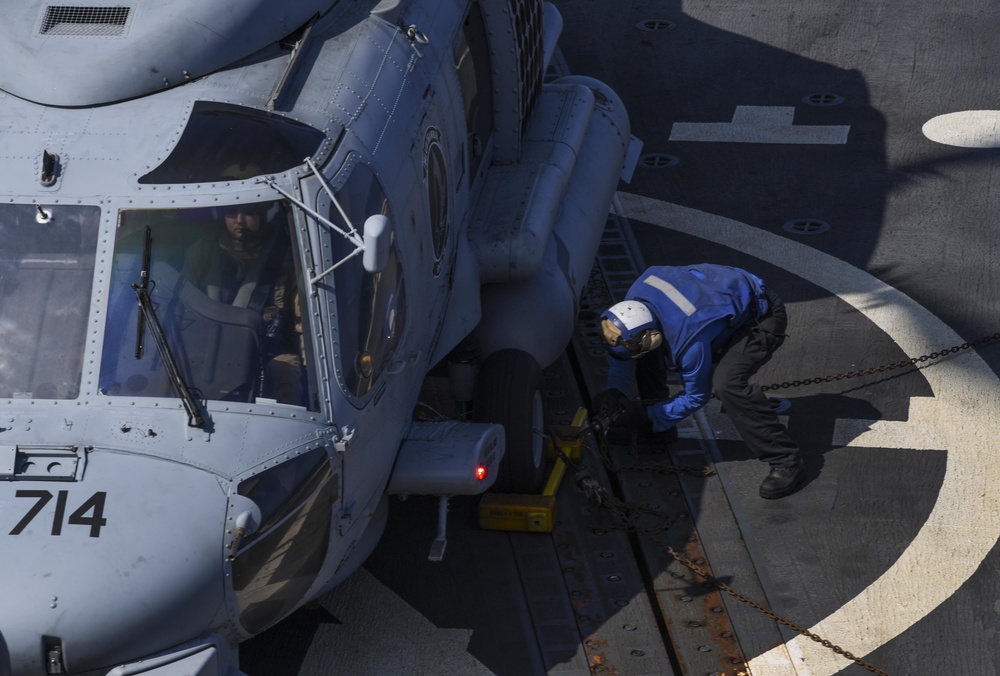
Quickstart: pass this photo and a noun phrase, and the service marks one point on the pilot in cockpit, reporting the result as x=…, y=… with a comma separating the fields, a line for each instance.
x=246, y=253
x=246, y=261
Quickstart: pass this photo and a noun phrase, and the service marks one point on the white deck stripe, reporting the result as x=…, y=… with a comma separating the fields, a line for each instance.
x=760, y=124
x=366, y=639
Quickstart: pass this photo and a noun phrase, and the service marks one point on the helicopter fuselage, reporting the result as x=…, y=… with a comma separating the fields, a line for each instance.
x=234, y=244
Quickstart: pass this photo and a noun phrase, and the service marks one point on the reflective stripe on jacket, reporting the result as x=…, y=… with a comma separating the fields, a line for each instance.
x=686, y=300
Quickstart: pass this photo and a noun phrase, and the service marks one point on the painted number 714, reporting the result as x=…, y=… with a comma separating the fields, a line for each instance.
x=90, y=513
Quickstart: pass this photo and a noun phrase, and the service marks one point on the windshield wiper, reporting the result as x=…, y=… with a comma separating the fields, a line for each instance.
x=144, y=286
x=147, y=315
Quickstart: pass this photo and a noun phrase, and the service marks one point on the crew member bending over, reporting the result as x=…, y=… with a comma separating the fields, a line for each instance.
x=717, y=326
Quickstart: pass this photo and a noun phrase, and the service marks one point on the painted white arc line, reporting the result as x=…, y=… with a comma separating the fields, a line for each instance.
x=965, y=129
x=369, y=612
x=760, y=124
x=965, y=522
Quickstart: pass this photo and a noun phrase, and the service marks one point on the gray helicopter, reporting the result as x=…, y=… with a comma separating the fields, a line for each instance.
x=237, y=239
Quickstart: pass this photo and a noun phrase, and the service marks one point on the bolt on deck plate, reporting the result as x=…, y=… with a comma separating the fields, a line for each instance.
x=806, y=226
x=655, y=25
x=823, y=99
x=658, y=160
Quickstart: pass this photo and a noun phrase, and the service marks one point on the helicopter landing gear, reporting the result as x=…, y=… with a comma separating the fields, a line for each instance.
x=509, y=393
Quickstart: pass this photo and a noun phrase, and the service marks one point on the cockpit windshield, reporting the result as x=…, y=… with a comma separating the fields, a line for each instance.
x=224, y=285
x=46, y=276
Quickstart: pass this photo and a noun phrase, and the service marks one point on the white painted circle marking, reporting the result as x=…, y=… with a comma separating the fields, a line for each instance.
x=965, y=522
x=965, y=129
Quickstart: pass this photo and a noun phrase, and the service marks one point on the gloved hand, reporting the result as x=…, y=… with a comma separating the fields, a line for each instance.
x=635, y=418
x=274, y=332
x=609, y=404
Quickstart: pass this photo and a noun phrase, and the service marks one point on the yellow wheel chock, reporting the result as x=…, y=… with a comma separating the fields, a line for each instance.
x=535, y=513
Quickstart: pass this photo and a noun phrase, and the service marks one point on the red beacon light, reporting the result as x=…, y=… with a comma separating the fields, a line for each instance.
x=481, y=472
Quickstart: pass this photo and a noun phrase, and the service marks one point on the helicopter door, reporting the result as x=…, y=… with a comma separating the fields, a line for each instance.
x=367, y=313
x=368, y=308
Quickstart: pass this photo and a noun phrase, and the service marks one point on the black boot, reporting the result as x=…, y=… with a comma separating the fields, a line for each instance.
x=781, y=481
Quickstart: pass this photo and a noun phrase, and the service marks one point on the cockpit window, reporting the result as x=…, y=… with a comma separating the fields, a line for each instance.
x=217, y=137
x=46, y=276
x=278, y=563
x=224, y=287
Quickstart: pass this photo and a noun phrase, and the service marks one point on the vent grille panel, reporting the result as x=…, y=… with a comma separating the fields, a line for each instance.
x=527, y=15
x=85, y=21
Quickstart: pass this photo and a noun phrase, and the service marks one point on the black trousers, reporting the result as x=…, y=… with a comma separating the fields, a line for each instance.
x=733, y=365
x=750, y=410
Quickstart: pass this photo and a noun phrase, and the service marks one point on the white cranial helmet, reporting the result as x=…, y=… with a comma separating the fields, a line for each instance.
x=630, y=330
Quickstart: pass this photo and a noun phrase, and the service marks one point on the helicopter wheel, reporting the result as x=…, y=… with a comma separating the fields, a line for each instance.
x=509, y=392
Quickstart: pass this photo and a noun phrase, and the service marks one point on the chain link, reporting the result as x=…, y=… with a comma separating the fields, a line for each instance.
x=629, y=513
x=719, y=584
x=660, y=467
x=913, y=361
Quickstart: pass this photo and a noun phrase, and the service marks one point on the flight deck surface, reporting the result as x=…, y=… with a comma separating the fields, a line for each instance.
x=787, y=138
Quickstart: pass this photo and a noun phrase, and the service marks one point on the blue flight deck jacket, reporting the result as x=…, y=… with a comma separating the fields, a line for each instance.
x=699, y=308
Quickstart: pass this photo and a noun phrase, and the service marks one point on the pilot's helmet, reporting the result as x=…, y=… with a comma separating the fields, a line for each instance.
x=239, y=171
x=265, y=211
x=630, y=330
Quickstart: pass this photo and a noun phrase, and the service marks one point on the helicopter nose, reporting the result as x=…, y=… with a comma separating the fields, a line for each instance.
x=122, y=564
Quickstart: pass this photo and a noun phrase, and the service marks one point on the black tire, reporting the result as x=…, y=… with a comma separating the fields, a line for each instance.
x=509, y=392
